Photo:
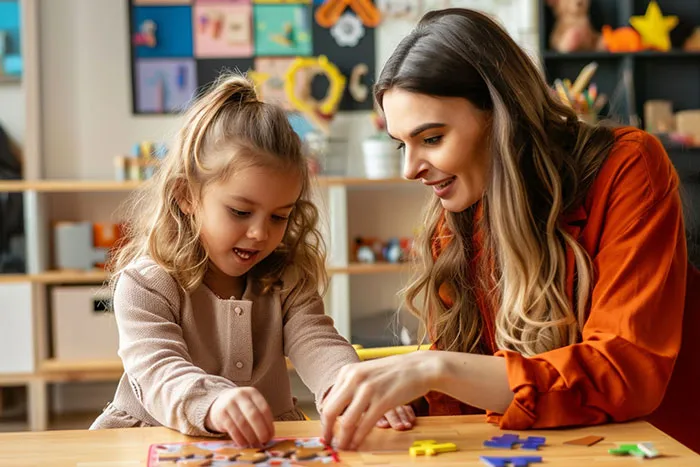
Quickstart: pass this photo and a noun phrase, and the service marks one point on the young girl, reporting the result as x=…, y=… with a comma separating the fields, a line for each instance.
x=552, y=273
x=220, y=279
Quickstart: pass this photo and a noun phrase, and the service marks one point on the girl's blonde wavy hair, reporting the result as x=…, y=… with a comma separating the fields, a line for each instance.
x=543, y=163
x=226, y=130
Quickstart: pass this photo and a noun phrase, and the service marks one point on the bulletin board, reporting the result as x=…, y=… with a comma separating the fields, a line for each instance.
x=178, y=47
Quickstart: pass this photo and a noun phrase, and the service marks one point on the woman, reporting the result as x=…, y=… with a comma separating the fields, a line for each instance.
x=552, y=271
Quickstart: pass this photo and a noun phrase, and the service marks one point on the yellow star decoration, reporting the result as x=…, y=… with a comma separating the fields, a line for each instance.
x=654, y=27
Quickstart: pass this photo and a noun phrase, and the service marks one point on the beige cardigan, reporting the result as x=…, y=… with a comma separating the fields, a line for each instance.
x=180, y=351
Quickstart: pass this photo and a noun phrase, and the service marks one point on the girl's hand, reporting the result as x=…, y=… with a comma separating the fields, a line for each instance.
x=365, y=391
x=243, y=414
x=401, y=418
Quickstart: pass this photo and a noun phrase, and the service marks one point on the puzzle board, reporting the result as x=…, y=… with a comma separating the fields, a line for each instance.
x=178, y=47
x=278, y=452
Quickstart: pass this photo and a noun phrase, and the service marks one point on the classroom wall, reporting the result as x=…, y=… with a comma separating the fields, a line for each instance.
x=86, y=87
x=12, y=110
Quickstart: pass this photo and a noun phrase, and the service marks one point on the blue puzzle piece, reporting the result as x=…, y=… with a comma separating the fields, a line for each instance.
x=519, y=461
x=507, y=441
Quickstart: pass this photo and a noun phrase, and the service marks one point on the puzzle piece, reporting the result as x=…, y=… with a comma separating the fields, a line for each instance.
x=303, y=454
x=518, y=461
x=194, y=462
x=585, y=441
x=507, y=441
x=185, y=452
x=638, y=450
x=430, y=448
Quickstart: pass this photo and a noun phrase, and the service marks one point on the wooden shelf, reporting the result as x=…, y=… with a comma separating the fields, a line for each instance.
x=56, y=371
x=593, y=55
x=99, y=276
x=16, y=379
x=58, y=277
x=92, y=186
x=369, y=268
x=68, y=186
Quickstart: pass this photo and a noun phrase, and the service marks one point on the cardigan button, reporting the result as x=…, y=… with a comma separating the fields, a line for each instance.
x=238, y=310
x=239, y=365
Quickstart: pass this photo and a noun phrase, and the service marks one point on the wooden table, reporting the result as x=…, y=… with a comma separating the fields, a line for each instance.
x=129, y=447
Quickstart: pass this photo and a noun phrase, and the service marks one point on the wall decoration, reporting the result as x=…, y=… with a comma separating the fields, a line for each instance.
x=222, y=30
x=282, y=30
x=173, y=26
x=179, y=47
x=164, y=85
x=11, y=63
x=346, y=59
x=348, y=30
x=269, y=76
x=331, y=10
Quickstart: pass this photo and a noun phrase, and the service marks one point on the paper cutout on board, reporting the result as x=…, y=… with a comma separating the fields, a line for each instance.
x=282, y=30
x=174, y=30
x=147, y=34
x=223, y=30
x=164, y=86
x=269, y=75
x=348, y=30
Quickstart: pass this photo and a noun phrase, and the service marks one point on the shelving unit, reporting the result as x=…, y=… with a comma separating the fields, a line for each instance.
x=672, y=76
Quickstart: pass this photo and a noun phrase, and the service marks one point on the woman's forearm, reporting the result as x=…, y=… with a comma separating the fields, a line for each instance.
x=478, y=380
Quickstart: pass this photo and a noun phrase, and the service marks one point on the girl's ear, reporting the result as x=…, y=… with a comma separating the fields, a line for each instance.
x=183, y=197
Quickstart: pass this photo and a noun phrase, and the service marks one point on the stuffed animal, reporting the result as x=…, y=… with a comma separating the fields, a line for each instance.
x=572, y=28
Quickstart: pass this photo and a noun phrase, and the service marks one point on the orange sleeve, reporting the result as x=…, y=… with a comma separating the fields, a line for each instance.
x=632, y=335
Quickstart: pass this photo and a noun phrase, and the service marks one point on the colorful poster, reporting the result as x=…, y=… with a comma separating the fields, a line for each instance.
x=222, y=30
x=169, y=26
x=164, y=86
x=282, y=30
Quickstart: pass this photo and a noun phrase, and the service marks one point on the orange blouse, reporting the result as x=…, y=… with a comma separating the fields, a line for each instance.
x=631, y=225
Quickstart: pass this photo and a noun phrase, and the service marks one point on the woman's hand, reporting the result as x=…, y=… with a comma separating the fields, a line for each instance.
x=243, y=414
x=401, y=418
x=365, y=391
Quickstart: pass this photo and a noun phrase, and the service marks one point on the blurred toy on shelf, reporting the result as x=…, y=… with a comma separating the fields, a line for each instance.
x=620, y=40
x=85, y=245
x=582, y=96
x=373, y=250
x=381, y=156
x=654, y=28
x=141, y=163
x=572, y=30
x=681, y=128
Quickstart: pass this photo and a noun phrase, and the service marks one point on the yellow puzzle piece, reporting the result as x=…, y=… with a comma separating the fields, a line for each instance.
x=430, y=447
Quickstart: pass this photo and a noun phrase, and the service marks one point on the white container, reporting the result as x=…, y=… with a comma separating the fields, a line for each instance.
x=83, y=328
x=382, y=158
x=16, y=336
